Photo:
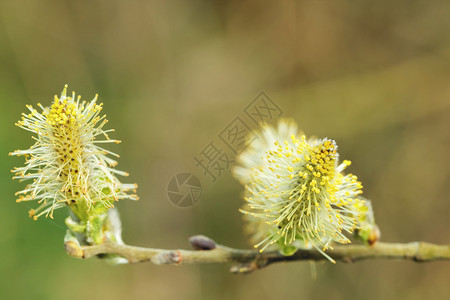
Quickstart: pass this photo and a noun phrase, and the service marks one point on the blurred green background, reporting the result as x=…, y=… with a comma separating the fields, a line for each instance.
x=374, y=75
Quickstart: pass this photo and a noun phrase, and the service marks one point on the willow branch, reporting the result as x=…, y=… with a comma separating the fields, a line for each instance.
x=207, y=251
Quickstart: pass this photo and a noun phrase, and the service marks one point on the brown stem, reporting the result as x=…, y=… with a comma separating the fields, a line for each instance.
x=249, y=260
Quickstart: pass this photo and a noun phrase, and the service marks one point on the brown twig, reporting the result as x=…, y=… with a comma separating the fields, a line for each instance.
x=244, y=261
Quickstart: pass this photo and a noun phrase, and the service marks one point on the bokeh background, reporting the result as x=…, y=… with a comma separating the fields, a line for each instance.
x=373, y=75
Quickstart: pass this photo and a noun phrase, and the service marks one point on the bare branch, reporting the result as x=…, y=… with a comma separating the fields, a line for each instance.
x=249, y=260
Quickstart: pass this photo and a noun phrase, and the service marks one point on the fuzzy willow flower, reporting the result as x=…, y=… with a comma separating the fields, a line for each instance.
x=296, y=194
x=66, y=165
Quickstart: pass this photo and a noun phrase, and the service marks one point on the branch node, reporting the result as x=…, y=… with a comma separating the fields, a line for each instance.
x=244, y=268
x=73, y=249
x=171, y=257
